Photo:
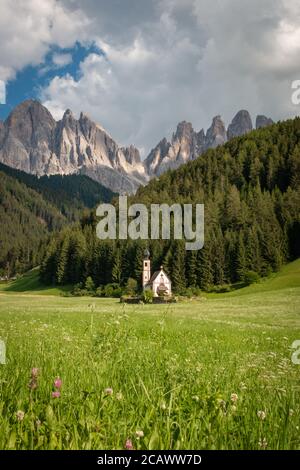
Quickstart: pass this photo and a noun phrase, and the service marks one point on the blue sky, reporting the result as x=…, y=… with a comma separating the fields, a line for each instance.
x=29, y=82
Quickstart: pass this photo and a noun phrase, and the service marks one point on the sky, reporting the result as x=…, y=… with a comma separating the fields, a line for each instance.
x=138, y=67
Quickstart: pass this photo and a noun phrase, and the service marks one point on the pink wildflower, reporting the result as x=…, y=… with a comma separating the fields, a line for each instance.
x=34, y=377
x=55, y=394
x=108, y=391
x=128, y=444
x=58, y=382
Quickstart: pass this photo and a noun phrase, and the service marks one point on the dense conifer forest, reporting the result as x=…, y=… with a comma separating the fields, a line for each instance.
x=251, y=191
x=31, y=208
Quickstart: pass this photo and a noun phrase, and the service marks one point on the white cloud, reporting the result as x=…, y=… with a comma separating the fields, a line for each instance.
x=183, y=59
x=61, y=59
x=28, y=29
x=2, y=92
x=141, y=87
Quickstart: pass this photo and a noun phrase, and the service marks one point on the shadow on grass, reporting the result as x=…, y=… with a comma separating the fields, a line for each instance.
x=30, y=282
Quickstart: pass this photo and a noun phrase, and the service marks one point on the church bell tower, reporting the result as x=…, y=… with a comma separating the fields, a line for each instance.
x=146, y=268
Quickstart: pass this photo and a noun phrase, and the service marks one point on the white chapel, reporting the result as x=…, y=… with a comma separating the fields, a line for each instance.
x=159, y=282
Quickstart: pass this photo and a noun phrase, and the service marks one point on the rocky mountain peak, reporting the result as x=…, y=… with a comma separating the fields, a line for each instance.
x=67, y=113
x=131, y=154
x=216, y=134
x=240, y=125
x=263, y=121
x=27, y=136
x=184, y=130
x=29, y=114
x=69, y=121
x=84, y=117
x=68, y=116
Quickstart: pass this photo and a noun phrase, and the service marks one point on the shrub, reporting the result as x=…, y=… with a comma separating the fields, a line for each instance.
x=251, y=277
x=89, y=285
x=147, y=296
x=220, y=289
x=109, y=290
x=118, y=292
x=99, y=291
x=77, y=290
x=131, y=286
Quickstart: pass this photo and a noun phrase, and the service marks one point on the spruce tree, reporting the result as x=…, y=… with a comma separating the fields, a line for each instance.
x=178, y=266
x=241, y=260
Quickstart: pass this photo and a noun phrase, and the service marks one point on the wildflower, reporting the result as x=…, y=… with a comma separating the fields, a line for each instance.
x=57, y=383
x=139, y=434
x=108, y=391
x=291, y=412
x=119, y=396
x=33, y=381
x=163, y=406
x=195, y=398
x=234, y=398
x=221, y=403
x=34, y=372
x=261, y=415
x=128, y=444
x=32, y=384
x=263, y=443
x=56, y=394
x=20, y=415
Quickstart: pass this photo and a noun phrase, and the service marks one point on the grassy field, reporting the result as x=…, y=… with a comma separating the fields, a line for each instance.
x=215, y=373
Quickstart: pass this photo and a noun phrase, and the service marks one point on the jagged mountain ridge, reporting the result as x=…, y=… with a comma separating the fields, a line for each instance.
x=32, y=141
x=187, y=144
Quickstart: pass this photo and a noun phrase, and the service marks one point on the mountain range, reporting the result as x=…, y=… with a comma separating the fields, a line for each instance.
x=32, y=141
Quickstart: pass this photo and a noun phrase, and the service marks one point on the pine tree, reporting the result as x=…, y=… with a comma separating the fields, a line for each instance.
x=219, y=257
x=76, y=255
x=62, y=265
x=205, y=267
x=191, y=268
x=241, y=261
x=116, y=274
x=253, y=256
x=178, y=266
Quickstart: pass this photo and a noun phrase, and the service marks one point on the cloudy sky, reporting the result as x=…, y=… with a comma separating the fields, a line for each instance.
x=139, y=67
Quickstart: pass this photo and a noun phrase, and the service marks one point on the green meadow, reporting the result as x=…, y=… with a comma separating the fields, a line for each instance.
x=211, y=373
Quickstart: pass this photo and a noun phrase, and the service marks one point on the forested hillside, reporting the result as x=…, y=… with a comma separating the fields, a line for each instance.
x=251, y=191
x=69, y=193
x=31, y=208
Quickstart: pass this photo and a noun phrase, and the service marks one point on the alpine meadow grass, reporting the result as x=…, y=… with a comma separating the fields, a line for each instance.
x=213, y=373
